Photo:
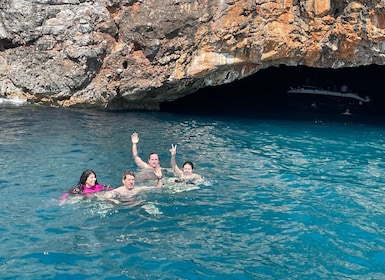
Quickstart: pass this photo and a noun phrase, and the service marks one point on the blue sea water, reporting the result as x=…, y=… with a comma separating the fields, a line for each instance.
x=282, y=198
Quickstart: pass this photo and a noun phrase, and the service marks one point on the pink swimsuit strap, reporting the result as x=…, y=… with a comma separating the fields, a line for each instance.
x=86, y=191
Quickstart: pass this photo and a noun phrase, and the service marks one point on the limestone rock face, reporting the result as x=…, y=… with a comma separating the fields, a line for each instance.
x=135, y=54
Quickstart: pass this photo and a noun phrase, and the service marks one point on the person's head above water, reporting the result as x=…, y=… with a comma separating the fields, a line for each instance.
x=128, y=179
x=88, y=178
x=87, y=181
x=188, y=168
x=153, y=160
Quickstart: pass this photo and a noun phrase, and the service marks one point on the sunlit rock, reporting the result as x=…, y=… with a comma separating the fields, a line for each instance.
x=136, y=54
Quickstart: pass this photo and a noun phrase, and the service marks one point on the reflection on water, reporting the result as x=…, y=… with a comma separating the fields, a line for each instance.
x=299, y=199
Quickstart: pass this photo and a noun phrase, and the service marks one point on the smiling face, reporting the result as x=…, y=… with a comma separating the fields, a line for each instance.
x=91, y=180
x=187, y=169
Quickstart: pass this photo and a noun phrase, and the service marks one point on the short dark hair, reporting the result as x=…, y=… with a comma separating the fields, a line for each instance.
x=128, y=172
x=153, y=153
x=189, y=163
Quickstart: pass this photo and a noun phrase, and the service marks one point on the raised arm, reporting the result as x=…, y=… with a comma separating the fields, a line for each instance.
x=139, y=162
x=174, y=166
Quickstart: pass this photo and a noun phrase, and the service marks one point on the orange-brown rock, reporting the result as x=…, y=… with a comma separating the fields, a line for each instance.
x=130, y=54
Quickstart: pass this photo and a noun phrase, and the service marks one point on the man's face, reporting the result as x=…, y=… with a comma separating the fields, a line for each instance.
x=129, y=181
x=153, y=161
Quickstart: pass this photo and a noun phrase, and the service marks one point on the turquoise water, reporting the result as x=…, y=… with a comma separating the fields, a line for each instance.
x=282, y=199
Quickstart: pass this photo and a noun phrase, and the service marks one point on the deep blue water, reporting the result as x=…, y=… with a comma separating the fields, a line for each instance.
x=282, y=198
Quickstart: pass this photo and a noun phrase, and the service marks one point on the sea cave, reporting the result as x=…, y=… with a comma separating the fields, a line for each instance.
x=266, y=93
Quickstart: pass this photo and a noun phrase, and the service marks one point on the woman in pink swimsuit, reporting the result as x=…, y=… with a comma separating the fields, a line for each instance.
x=88, y=184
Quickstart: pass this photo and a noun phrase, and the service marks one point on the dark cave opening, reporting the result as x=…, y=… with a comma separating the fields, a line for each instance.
x=266, y=92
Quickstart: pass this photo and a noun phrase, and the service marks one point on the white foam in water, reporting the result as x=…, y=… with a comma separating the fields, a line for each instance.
x=151, y=209
x=182, y=187
x=15, y=100
x=178, y=187
x=104, y=209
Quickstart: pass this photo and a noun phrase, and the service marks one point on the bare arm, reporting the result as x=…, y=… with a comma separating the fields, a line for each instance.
x=159, y=176
x=174, y=166
x=112, y=195
x=159, y=183
x=139, y=162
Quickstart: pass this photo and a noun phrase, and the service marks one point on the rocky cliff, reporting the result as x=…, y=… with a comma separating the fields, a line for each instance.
x=135, y=54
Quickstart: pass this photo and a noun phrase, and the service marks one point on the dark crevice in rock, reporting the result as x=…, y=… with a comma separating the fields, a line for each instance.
x=112, y=10
x=7, y=44
x=337, y=7
x=172, y=34
x=93, y=64
x=137, y=46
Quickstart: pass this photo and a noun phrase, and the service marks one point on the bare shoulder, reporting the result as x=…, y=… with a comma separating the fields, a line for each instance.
x=119, y=189
x=193, y=178
x=197, y=178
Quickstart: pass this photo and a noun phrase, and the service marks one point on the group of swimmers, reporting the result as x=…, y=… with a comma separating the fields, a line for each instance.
x=150, y=170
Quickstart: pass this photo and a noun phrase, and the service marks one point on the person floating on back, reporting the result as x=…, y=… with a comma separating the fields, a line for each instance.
x=187, y=174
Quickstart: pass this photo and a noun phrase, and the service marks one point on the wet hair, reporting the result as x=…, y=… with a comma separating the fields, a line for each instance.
x=189, y=163
x=78, y=189
x=128, y=172
x=153, y=153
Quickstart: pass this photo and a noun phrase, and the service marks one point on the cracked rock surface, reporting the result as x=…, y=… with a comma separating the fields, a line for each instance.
x=127, y=54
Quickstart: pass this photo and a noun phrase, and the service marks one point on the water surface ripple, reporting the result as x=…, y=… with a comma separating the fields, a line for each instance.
x=282, y=199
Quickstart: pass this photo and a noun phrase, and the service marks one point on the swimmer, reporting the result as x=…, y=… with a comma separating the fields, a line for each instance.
x=149, y=168
x=187, y=174
x=88, y=184
x=128, y=190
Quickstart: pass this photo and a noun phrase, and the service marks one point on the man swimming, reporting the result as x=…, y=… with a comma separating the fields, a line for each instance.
x=148, y=171
x=128, y=190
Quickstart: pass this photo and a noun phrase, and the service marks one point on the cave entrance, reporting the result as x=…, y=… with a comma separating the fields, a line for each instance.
x=266, y=92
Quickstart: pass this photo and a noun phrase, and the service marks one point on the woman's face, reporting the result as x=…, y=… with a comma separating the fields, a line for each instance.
x=91, y=179
x=187, y=169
